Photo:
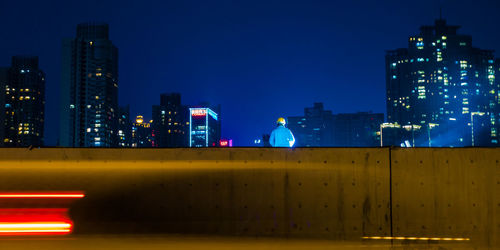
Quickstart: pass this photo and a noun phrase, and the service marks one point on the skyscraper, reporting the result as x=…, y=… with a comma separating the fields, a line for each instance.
x=204, y=127
x=442, y=82
x=170, y=122
x=23, y=99
x=89, y=89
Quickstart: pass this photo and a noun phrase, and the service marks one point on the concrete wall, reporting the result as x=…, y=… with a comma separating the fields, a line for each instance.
x=333, y=193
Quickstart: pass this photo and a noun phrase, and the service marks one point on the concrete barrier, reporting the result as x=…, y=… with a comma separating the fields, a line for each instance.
x=447, y=193
x=331, y=193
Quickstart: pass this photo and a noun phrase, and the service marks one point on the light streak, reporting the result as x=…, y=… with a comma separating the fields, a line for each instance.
x=35, y=220
x=42, y=195
x=413, y=238
x=35, y=228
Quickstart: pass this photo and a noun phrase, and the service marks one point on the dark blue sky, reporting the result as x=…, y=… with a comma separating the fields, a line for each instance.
x=258, y=59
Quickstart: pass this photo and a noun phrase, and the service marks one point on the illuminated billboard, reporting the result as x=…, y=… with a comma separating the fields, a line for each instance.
x=198, y=112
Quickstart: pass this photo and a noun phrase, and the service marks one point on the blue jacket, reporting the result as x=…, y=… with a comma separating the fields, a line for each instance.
x=281, y=137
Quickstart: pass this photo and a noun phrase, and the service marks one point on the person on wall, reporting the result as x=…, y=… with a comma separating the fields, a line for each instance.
x=281, y=135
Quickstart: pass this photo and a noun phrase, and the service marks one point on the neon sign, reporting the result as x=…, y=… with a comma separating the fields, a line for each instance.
x=213, y=114
x=225, y=143
x=198, y=112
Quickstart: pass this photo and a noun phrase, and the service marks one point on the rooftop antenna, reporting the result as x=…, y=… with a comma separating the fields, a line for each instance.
x=440, y=13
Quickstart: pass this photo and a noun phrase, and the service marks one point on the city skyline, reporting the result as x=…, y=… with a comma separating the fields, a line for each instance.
x=246, y=122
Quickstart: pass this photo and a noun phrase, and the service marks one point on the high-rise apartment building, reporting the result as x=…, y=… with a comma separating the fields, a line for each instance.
x=89, y=89
x=171, y=122
x=23, y=102
x=442, y=82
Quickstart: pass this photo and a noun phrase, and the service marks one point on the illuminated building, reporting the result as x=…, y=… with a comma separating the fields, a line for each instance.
x=142, y=134
x=314, y=129
x=321, y=128
x=124, y=127
x=89, y=89
x=23, y=102
x=170, y=122
x=442, y=79
x=204, y=127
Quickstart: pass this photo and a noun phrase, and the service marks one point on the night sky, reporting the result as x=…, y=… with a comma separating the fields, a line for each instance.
x=258, y=59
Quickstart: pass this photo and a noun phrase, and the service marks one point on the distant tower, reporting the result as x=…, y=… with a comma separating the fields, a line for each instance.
x=142, y=134
x=170, y=122
x=204, y=126
x=89, y=89
x=23, y=88
x=124, y=127
x=444, y=84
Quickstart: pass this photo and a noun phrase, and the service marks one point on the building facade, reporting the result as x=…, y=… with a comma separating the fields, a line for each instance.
x=142, y=134
x=89, y=89
x=23, y=102
x=124, y=127
x=314, y=129
x=204, y=127
x=171, y=122
x=442, y=79
x=321, y=128
x=357, y=129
